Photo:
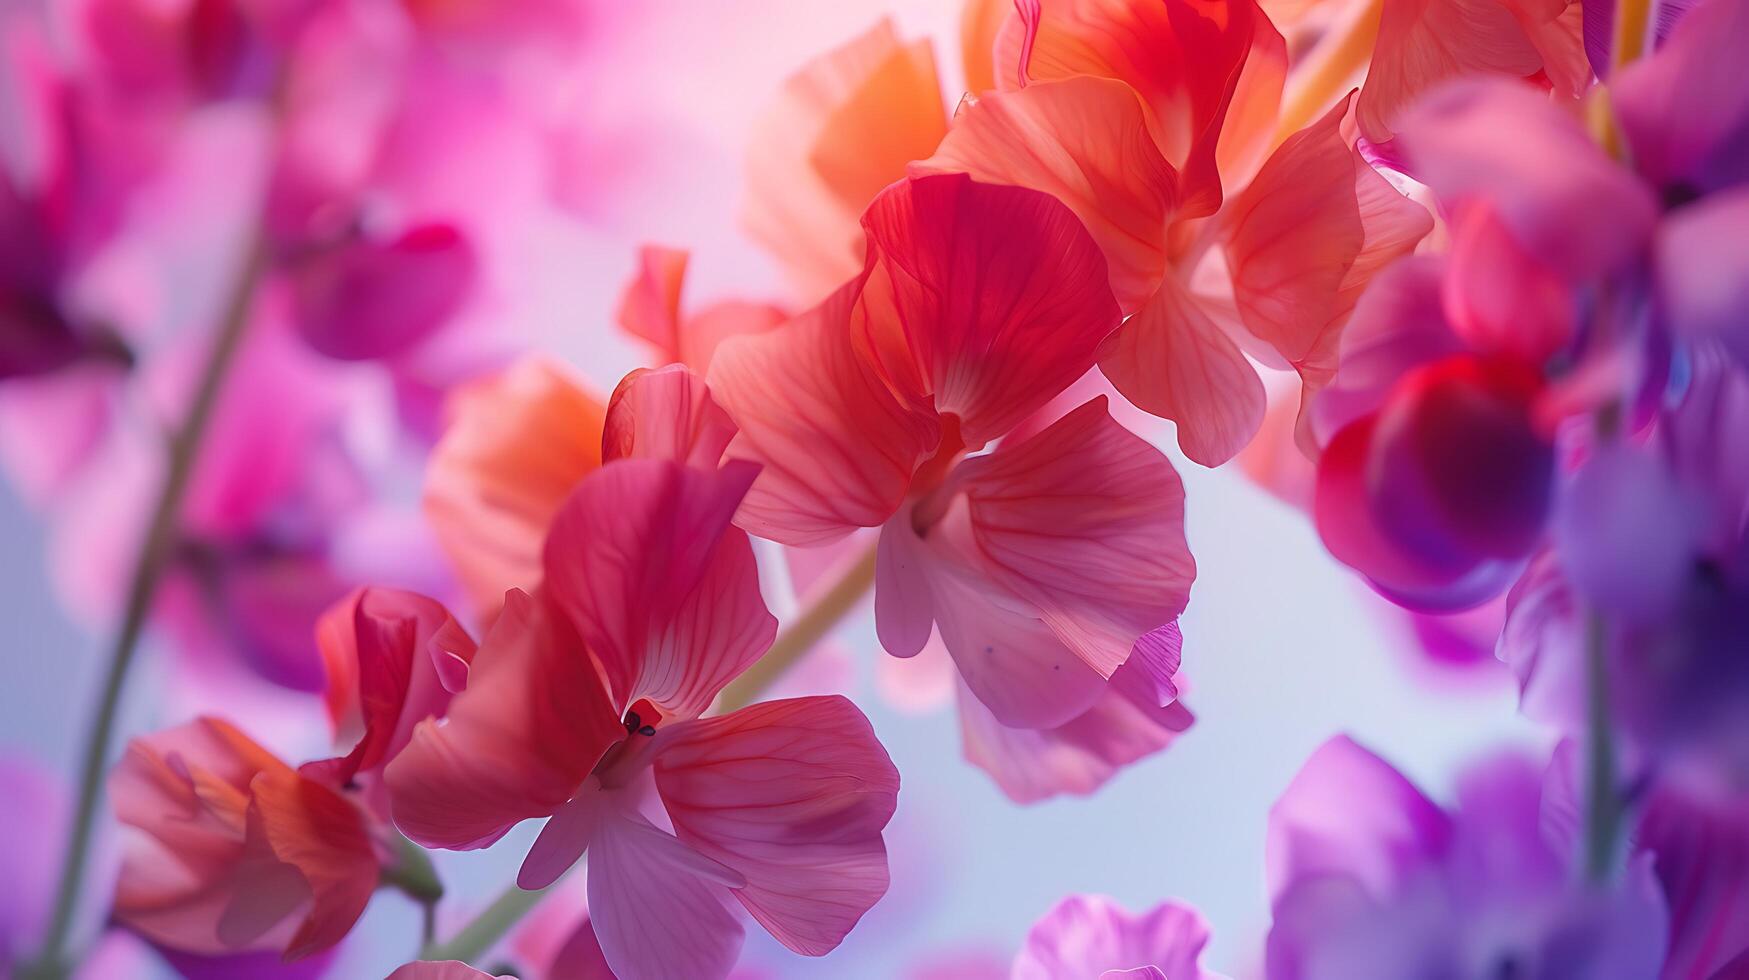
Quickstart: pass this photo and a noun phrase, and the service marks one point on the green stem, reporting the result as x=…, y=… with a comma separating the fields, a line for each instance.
x=1603, y=805
x=154, y=556
x=853, y=581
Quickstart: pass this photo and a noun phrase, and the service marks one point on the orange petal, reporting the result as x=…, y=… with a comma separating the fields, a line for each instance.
x=842, y=128
x=1084, y=141
x=980, y=20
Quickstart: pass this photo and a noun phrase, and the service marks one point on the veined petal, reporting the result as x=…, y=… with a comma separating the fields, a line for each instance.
x=987, y=299
x=322, y=835
x=656, y=917
x=838, y=449
x=793, y=795
x=843, y=128
x=659, y=585
x=516, y=445
x=1422, y=43
x=1172, y=360
x=1084, y=141
x=667, y=413
x=517, y=744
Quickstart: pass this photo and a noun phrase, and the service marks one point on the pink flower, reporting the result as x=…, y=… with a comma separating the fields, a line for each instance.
x=583, y=705
x=232, y=850
x=1092, y=936
x=649, y=309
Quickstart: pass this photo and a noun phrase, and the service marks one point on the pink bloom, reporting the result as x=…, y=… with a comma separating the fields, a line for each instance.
x=372, y=299
x=583, y=705
x=1091, y=936
x=233, y=850
x=650, y=309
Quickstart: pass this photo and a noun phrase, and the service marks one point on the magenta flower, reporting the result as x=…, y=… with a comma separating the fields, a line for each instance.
x=1370, y=879
x=1092, y=936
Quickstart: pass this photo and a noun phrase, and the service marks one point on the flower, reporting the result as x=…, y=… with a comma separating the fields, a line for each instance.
x=583, y=705
x=232, y=850
x=1369, y=878
x=1092, y=936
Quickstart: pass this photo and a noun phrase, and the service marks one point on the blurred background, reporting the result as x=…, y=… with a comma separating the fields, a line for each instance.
x=1282, y=647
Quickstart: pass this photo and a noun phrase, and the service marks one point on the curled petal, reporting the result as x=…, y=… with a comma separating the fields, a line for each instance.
x=793, y=795
x=321, y=836
x=660, y=587
x=837, y=448
x=987, y=299
x=1084, y=141
x=516, y=744
x=667, y=413
x=1501, y=143
x=843, y=128
x=1349, y=814
x=378, y=299
x=516, y=445
x=1701, y=856
x=1172, y=360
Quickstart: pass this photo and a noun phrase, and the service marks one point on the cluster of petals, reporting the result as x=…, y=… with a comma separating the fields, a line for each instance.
x=586, y=704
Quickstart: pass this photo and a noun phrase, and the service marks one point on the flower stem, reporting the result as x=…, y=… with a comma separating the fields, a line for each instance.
x=1603, y=810
x=154, y=555
x=853, y=580
x=1330, y=68
x=1633, y=18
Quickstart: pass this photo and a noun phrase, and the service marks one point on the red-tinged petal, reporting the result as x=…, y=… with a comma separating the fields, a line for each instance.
x=1123, y=726
x=1184, y=57
x=1305, y=238
x=517, y=744
x=1347, y=813
x=659, y=585
x=438, y=970
x=1498, y=297
x=378, y=299
x=516, y=445
x=1171, y=360
x=1422, y=43
x=838, y=449
x=669, y=414
x=843, y=128
x=1084, y=141
x=1685, y=109
x=1502, y=143
x=321, y=834
x=385, y=653
x=704, y=331
x=1703, y=271
x=656, y=918
x=580, y=957
x=649, y=305
x=793, y=795
x=988, y=299
x=1253, y=114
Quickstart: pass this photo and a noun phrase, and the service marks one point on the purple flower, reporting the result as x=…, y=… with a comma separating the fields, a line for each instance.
x=1371, y=880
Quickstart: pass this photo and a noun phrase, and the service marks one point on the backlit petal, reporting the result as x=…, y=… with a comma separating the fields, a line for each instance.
x=1422, y=43
x=667, y=413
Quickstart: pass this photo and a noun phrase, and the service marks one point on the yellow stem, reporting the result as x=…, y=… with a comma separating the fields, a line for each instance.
x=1632, y=20
x=1329, y=70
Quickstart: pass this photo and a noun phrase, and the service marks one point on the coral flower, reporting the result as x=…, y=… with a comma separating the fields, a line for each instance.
x=232, y=850
x=583, y=705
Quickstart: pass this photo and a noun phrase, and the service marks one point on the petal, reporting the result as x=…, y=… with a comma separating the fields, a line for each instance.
x=988, y=299
x=649, y=305
x=656, y=919
x=1171, y=360
x=1501, y=143
x=383, y=650
x=1499, y=297
x=1685, y=109
x=562, y=841
x=1156, y=659
x=904, y=606
x=1085, y=142
x=1702, y=857
x=1305, y=237
x=793, y=795
x=980, y=20
x=516, y=445
x=667, y=413
x=1347, y=813
x=1422, y=43
x=438, y=970
x=321, y=834
x=1124, y=726
x=378, y=299
x=1184, y=61
x=516, y=744
x=664, y=592
x=843, y=128
x=1702, y=274
x=837, y=448
x=1088, y=935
